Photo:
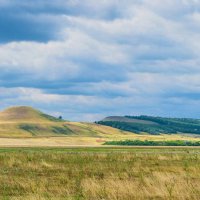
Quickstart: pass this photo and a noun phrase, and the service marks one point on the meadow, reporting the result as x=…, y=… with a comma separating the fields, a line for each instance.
x=109, y=173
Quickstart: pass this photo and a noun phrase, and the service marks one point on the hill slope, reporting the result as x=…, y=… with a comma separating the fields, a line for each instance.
x=153, y=125
x=25, y=121
x=25, y=114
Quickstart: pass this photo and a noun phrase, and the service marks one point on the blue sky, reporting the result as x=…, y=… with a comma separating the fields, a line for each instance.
x=87, y=59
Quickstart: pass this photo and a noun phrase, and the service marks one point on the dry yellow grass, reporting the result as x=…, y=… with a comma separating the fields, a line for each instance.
x=81, y=134
x=48, y=141
x=109, y=174
x=81, y=140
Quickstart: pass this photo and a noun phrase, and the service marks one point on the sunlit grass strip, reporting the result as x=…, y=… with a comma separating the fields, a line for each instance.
x=153, y=143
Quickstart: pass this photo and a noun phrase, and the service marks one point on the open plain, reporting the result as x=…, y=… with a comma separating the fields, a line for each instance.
x=46, y=158
x=100, y=173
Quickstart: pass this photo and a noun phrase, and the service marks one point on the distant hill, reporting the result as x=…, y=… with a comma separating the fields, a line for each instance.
x=153, y=125
x=128, y=120
x=26, y=121
x=25, y=114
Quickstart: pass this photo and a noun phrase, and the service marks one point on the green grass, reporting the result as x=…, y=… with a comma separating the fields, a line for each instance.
x=100, y=173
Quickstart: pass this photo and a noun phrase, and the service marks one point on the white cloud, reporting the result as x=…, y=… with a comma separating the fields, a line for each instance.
x=110, y=57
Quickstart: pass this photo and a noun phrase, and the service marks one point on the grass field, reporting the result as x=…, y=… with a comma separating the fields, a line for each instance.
x=82, y=139
x=100, y=173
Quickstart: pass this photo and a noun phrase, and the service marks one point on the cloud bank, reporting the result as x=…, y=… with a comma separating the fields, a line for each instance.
x=88, y=59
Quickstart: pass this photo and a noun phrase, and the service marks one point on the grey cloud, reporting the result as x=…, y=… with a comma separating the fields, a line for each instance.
x=88, y=62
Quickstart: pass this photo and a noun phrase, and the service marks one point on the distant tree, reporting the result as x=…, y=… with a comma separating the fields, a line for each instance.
x=60, y=117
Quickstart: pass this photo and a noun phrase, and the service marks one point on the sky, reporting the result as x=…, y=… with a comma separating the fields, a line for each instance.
x=87, y=59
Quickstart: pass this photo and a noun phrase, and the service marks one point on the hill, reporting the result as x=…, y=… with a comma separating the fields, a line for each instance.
x=26, y=126
x=25, y=114
x=26, y=121
x=153, y=125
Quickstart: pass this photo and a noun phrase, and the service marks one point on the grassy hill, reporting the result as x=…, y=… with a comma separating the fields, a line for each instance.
x=25, y=121
x=153, y=125
x=25, y=114
x=25, y=126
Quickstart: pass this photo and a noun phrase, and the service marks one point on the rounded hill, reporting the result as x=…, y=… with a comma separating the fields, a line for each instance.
x=25, y=113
